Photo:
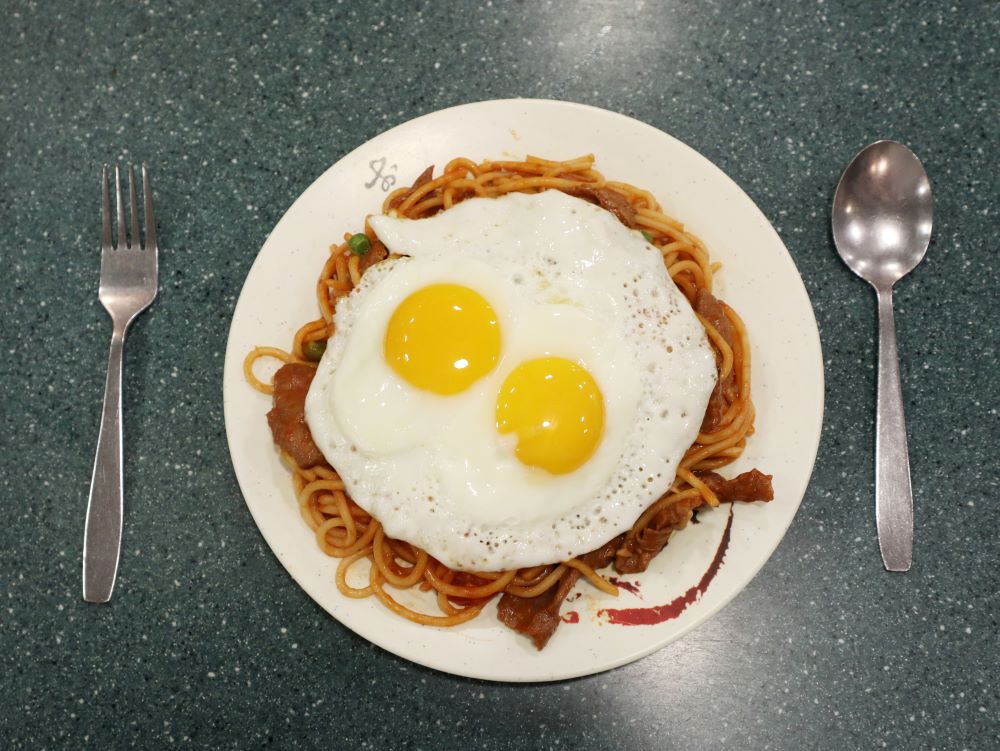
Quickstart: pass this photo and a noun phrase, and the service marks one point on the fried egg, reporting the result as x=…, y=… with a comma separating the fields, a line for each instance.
x=517, y=387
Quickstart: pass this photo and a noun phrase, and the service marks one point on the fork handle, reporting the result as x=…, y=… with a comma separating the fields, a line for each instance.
x=893, y=493
x=102, y=535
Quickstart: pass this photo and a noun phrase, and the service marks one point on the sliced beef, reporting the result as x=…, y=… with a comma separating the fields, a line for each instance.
x=538, y=617
x=749, y=486
x=287, y=417
x=714, y=311
x=608, y=199
x=377, y=252
x=639, y=549
x=425, y=177
x=727, y=390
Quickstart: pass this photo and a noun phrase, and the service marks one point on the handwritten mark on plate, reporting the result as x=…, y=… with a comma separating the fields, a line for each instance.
x=380, y=173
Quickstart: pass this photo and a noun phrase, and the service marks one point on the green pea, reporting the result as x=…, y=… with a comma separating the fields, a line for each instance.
x=360, y=244
x=314, y=350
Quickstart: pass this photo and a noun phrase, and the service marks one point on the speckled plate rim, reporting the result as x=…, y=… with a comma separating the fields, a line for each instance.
x=787, y=374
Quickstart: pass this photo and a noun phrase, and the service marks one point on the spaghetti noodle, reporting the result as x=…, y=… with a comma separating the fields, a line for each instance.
x=346, y=531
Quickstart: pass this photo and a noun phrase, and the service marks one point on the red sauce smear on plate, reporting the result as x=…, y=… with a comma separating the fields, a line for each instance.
x=632, y=587
x=669, y=611
x=571, y=617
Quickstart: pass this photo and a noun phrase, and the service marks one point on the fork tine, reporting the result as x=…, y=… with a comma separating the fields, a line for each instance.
x=133, y=208
x=120, y=203
x=147, y=194
x=105, y=211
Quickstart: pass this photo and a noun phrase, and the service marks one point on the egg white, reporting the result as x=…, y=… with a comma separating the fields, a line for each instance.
x=565, y=279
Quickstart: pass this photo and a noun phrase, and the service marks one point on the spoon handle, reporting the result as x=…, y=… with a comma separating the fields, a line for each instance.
x=893, y=495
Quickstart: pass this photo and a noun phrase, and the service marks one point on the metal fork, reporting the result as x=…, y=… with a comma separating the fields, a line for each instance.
x=128, y=286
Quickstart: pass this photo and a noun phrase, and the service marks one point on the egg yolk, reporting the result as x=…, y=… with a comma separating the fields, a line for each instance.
x=443, y=338
x=556, y=409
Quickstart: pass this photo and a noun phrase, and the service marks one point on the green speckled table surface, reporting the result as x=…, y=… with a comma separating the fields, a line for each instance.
x=208, y=642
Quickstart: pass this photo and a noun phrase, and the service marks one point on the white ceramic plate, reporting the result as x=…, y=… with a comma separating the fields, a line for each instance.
x=758, y=278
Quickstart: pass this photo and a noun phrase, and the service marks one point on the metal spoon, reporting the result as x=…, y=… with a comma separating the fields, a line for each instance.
x=882, y=217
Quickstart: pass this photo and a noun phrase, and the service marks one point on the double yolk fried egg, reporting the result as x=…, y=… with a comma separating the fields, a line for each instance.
x=517, y=387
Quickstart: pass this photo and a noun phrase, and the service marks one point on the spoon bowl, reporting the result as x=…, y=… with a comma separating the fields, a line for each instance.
x=882, y=213
x=882, y=218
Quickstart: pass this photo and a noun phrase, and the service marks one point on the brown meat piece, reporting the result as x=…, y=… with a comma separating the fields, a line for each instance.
x=287, y=417
x=377, y=252
x=538, y=617
x=608, y=199
x=639, y=549
x=725, y=392
x=713, y=310
x=422, y=179
x=749, y=486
